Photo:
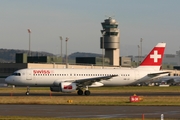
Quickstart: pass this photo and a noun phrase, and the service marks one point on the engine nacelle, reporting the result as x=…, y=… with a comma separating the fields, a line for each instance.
x=64, y=87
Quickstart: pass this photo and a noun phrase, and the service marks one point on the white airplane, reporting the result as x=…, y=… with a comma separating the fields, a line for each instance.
x=70, y=80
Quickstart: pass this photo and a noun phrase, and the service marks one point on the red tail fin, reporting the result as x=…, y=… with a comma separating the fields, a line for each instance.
x=155, y=57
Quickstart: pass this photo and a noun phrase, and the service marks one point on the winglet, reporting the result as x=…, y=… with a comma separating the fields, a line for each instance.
x=155, y=57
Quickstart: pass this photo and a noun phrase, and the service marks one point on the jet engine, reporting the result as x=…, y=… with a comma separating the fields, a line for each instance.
x=64, y=87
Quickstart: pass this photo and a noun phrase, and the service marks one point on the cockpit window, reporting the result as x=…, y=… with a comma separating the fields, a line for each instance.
x=16, y=74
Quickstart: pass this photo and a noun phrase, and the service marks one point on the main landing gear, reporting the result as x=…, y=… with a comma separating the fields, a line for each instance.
x=86, y=92
x=28, y=89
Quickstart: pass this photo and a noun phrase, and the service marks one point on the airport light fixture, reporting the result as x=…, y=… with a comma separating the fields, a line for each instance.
x=61, y=44
x=29, y=31
x=141, y=48
x=66, y=52
x=138, y=55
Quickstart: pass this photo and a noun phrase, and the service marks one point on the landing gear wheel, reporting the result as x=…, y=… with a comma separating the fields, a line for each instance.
x=80, y=92
x=87, y=92
x=28, y=89
x=27, y=93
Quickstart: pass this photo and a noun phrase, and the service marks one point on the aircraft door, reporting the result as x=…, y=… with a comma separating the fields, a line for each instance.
x=28, y=75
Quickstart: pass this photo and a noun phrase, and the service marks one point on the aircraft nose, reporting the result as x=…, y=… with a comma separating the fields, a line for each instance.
x=7, y=80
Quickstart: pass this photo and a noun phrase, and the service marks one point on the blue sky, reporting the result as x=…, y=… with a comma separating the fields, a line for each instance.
x=80, y=20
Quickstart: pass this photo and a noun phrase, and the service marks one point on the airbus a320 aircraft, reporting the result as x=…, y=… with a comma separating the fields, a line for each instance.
x=70, y=80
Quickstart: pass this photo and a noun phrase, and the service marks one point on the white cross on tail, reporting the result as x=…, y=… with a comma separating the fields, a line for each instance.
x=155, y=56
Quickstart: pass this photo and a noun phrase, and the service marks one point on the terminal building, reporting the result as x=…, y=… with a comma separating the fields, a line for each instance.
x=23, y=58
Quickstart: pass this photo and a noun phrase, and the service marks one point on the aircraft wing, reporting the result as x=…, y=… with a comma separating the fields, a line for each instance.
x=90, y=81
x=157, y=74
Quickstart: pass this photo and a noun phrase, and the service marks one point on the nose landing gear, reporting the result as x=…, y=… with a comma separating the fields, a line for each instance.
x=28, y=89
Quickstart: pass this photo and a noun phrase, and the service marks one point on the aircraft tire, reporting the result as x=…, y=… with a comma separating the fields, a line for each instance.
x=27, y=93
x=80, y=92
x=87, y=92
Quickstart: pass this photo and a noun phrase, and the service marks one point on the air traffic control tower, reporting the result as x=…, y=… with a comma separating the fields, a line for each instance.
x=110, y=40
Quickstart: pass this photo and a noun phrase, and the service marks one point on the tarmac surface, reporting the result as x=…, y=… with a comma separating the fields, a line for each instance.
x=96, y=94
x=83, y=111
x=79, y=111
